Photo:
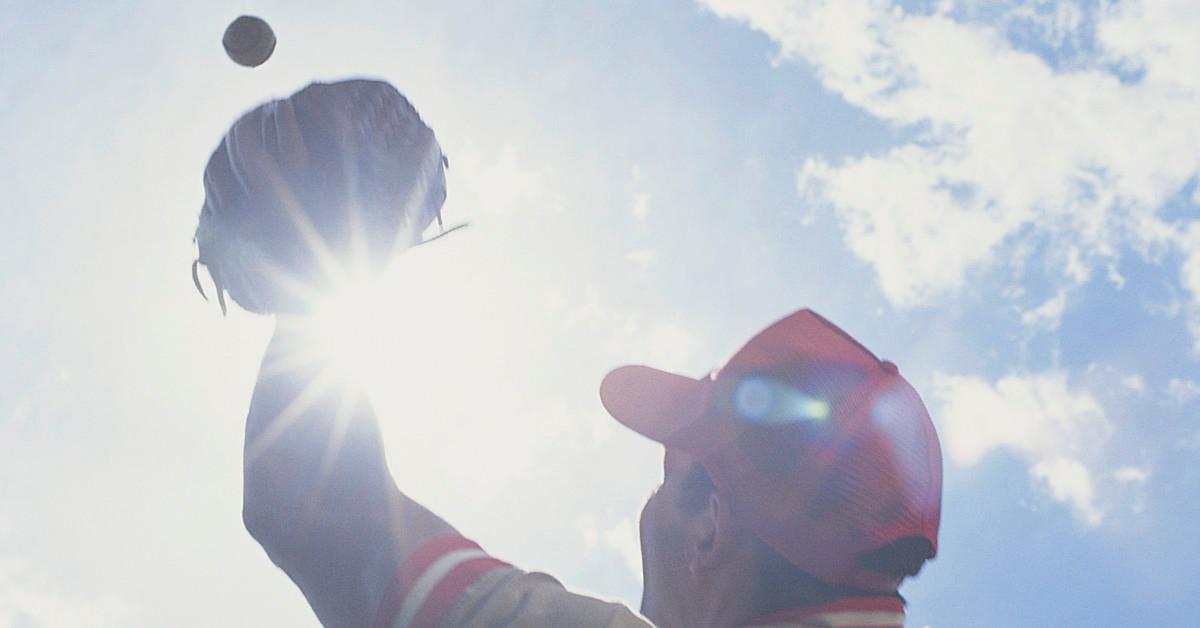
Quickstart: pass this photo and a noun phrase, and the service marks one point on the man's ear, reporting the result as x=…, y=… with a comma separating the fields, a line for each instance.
x=713, y=529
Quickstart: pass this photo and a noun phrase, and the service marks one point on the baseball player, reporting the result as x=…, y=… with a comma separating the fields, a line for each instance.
x=802, y=479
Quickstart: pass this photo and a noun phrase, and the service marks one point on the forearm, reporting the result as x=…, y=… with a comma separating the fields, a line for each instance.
x=318, y=495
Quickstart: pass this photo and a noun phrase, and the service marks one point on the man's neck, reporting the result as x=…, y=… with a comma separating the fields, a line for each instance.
x=783, y=598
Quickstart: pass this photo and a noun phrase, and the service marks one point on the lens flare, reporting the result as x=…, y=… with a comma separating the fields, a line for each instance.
x=760, y=399
x=754, y=398
x=345, y=328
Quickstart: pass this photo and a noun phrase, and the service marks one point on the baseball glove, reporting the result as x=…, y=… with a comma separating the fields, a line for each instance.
x=299, y=190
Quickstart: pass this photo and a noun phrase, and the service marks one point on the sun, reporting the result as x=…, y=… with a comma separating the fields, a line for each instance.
x=334, y=344
x=379, y=336
x=347, y=328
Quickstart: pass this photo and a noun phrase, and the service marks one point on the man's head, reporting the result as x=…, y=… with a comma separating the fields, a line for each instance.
x=803, y=470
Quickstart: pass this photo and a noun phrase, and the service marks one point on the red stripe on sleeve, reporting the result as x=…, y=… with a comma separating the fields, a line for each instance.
x=435, y=608
x=411, y=569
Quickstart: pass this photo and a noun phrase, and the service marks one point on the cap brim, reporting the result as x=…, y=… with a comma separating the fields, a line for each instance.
x=657, y=404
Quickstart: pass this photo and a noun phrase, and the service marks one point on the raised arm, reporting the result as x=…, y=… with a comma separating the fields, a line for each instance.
x=318, y=495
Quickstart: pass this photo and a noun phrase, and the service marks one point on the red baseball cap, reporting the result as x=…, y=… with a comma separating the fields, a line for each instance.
x=827, y=450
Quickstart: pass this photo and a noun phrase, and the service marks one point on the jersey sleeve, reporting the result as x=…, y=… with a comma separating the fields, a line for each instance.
x=450, y=582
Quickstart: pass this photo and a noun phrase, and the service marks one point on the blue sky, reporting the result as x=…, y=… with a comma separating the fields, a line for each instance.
x=1000, y=197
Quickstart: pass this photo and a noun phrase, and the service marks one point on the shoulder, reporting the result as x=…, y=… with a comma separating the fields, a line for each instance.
x=451, y=581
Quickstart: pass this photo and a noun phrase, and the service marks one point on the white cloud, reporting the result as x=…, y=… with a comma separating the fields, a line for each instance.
x=1182, y=391
x=1040, y=418
x=665, y=341
x=1058, y=26
x=1189, y=242
x=1135, y=383
x=1132, y=475
x=666, y=344
x=505, y=182
x=591, y=534
x=1003, y=147
x=1049, y=314
x=1071, y=482
x=640, y=210
x=624, y=539
x=23, y=603
x=1114, y=276
x=642, y=257
x=1135, y=478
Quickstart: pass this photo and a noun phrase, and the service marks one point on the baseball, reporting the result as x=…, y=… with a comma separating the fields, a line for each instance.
x=249, y=41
